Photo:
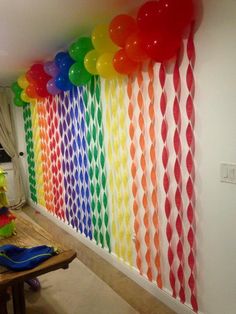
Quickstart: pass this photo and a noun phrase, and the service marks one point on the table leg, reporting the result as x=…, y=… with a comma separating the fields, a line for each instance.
x=4, y=297
x=18, y=298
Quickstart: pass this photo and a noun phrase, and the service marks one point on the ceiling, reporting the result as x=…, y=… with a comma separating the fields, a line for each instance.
x=33, y=30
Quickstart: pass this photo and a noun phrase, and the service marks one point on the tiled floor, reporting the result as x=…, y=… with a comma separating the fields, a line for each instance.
x=76, y=290
x=91, y=285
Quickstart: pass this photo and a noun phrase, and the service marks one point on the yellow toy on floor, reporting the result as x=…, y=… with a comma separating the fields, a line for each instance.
x=7, y=226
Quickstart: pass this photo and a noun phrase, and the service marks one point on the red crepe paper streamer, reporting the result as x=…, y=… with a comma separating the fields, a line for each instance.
x=178, y=178
x=191, y=168
x=166, y=179
x=154, y=194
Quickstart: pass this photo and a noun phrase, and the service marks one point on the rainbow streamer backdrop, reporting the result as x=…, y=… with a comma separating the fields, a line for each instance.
x=115, y=160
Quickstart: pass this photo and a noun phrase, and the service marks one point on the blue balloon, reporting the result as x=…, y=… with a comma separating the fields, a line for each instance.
x=59, y=56
x=63, y=83
x=66, y=63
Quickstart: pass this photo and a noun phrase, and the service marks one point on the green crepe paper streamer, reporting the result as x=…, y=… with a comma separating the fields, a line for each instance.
x=97, y=171
x=29, y=150
x=88, y=116
x=101, y=148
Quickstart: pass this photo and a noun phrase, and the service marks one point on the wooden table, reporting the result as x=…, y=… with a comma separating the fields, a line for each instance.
x=29, y=234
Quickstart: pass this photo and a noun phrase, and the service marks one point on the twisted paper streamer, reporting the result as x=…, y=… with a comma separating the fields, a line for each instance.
x=118, y=169
x=166, y=178
x=97, y=171
x=153, y=175
x=65, y=134
x=45, y=154
x=37, y=154
x=143, y=165
x=30, y=151
x=56, y=192
x=178, y=178
x=190, y=168
x=80, y=161
x=133, y=155
x=113, y=178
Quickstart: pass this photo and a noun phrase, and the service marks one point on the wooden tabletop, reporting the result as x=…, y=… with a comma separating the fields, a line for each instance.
x=29, y=234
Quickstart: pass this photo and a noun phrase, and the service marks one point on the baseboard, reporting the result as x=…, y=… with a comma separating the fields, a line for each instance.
x=131, y=272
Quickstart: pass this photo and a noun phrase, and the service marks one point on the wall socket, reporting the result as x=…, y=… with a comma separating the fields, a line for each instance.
x=228, y=173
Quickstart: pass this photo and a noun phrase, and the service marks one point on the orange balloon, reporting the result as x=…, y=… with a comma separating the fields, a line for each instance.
x=123, y=64
x=31, y=91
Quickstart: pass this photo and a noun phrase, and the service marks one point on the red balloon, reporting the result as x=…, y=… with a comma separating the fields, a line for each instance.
x=134, y=48
x=29, y=75
x=37, y=68
x=166, y=15
x=123, y=64
x=37, y=74
x=42, y=91
x=161, y=46
x=153, y=16
x=121, y=27
x=184, y=13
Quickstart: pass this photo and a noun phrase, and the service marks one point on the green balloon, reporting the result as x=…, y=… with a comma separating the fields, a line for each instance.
x=16, y=89
x=78, y=75
x=80, y=48
x=19, y=102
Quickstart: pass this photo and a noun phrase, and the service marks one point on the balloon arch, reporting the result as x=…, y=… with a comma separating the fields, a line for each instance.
x=113, y=50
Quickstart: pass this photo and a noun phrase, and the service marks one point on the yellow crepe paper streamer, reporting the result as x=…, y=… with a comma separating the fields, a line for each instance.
x=118, y=170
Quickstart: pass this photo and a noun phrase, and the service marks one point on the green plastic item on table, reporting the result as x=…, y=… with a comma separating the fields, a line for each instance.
x=7, y=230
x=3, y=182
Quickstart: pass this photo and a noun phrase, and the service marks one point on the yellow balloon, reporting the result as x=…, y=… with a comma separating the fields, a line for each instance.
x=101, y=39
x=105, y=66
x=24, y=96
x=22, y=81
x=90, y=61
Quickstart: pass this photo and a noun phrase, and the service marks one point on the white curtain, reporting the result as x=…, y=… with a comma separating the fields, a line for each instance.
x=7, y=140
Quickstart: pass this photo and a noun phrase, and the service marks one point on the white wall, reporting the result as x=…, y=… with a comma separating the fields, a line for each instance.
x=215, y=74
x=216, y=142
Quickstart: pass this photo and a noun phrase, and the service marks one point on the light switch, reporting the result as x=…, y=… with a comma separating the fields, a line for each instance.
x=228, y=173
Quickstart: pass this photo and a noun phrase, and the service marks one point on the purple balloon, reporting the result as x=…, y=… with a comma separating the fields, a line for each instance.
x=51, y=68
x=51, y=87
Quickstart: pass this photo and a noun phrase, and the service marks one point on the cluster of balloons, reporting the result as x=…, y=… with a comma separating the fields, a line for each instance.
x=18, y=93
x=115, y=49
x=155, y=34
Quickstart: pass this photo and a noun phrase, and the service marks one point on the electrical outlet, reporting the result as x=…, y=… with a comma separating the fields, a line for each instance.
x=228, y=173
